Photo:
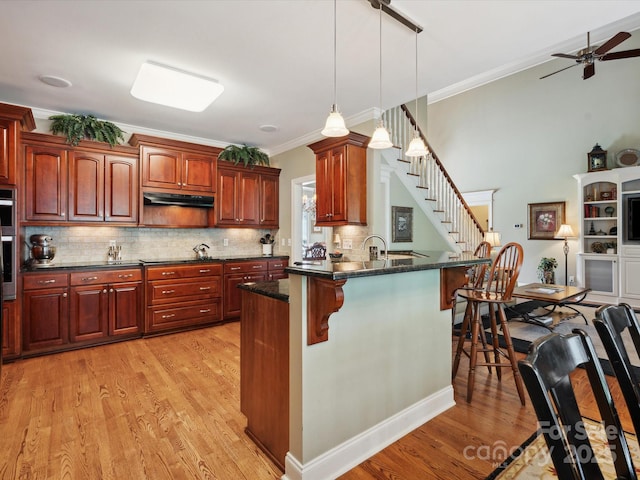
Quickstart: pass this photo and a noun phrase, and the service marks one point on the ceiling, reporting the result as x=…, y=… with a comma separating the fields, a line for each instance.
x=275, y=57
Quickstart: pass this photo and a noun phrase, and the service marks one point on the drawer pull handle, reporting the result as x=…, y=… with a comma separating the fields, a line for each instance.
x=169, y=315
x=128, y=275
x=168, y=292
x=257, y=266
x=234, y=268
x=205, y=270
x=205, y=311
x=44, y=282
x=88, y=279
x=168, y=273
x=205, y=288
x=278, y=265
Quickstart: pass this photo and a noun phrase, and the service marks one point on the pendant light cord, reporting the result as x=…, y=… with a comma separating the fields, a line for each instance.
x=416, y=81
x=335, y=49
x=380, y=97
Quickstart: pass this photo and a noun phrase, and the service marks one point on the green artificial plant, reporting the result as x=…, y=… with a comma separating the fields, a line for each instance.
x=249, y=156
x=80, y=127
x=546, y=267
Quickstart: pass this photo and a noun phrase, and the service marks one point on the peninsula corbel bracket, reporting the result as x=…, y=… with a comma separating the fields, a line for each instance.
x=324, y=298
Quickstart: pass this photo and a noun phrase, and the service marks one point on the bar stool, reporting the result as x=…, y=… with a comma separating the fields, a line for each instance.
x=475, y=275
x=500, y=284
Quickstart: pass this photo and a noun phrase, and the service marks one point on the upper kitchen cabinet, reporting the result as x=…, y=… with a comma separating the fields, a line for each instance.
x=247, y=197
x=173, y=165
x=86, y=184
x=13, y=121
x=341, y=180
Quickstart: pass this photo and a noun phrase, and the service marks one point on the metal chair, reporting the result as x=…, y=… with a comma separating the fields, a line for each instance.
x=611, y=321
x=546, y=372
x=475, y=275
x=500, y=284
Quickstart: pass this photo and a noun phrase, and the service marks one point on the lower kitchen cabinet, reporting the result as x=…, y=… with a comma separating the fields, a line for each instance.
x=183, y=296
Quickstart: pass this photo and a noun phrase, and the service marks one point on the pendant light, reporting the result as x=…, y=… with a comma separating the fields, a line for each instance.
x=380, y=139
x=335, y=126
x=417, y=148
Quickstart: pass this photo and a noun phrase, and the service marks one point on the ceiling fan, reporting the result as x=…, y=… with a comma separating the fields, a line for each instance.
x=588, y=56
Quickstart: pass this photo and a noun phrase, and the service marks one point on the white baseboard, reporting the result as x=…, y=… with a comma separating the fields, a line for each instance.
x=354, y=451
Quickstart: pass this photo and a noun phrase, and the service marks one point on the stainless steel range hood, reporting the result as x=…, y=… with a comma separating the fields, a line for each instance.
x=160, y=198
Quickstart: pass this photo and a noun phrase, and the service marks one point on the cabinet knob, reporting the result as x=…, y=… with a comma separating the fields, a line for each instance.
x=64, y=294
x=111, y=290
x=104, y=290
x=179, y=184
x=62, y=214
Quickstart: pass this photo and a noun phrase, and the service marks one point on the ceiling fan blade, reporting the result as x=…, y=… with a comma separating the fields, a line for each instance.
x=589, y=71
x=614, y=41
x=623, y=54
x=564, y=55
x=558, y=71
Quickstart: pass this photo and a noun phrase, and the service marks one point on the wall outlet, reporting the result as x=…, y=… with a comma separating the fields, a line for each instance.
x=288, y=242
x=572, y=280
x=284, y=241
x=225, y=242
x=347, y=244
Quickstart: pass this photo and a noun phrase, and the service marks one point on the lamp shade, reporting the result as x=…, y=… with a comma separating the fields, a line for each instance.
x=336, y=238
x=335, y=126
x=380, y=138
x=417, y=148
x=565, y=231
x=493, y=238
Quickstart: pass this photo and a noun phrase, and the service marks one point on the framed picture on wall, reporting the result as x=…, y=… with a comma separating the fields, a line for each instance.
x=402, y=229
x=545, y=220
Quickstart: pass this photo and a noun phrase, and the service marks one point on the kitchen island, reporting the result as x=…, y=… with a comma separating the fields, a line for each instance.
x=382, y=369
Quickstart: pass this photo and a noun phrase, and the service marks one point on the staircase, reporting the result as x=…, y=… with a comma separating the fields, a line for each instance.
x=430, y=185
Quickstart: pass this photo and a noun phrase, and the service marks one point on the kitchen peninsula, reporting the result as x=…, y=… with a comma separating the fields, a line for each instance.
x=369, y=354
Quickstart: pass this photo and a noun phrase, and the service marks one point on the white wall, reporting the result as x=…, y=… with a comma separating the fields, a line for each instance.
x=527, y=137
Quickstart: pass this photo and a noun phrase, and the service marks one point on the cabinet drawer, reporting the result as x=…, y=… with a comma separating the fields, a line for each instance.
x=185, y=315
x=245, y=267
x=168, y=292
x=97, y=277
x=183, y=271
x=278, y=264
x=44, y=280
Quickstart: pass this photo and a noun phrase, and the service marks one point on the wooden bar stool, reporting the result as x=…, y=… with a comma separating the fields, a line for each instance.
x=475, y=275
x=500, y=284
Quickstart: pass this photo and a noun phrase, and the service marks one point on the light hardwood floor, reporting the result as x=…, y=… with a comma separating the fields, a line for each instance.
x=169, y=408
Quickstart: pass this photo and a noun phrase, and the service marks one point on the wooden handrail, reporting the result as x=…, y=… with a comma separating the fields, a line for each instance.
x=441, y=167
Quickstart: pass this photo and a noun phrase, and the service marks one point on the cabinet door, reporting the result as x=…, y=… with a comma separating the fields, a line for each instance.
x=269, y=201
x=161, y=168
x=89, y=310
x=227, y=201
x=249, y=199
x=86, y=186
x=337, y=166
x=46, y=183
x=121, y=189
x=125, y=303
x=324, y=188
x=198, y=173
x=10, y=331
x=8, y=152
x=232, y=299
x=45, y=318
x=630, y=277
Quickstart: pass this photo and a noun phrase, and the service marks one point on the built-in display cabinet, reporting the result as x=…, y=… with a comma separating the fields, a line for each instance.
x=609, y=258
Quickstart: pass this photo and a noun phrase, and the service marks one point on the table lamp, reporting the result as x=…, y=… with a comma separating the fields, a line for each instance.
x=565, y=231
x=493, y=238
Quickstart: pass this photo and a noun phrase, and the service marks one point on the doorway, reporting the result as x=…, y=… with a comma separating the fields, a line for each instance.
x=303, y=216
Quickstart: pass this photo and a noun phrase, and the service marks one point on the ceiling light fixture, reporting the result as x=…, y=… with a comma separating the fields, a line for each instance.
x=334, y=127
x=380, y=139
x=417, y=148
x=175, y=88
x=55, y=81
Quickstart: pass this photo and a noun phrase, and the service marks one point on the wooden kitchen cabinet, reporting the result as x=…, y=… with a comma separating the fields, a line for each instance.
x=341, y=180
x=172, y=165
x=11, y=331
x=105, y=303
x=13, y=121
x=236, y=273
x=45, y=186
x=183, y=296
x=102, y=187
x=247, y=197
x=276, y=269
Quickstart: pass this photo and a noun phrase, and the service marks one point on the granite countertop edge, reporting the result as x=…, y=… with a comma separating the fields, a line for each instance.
x=278, y=289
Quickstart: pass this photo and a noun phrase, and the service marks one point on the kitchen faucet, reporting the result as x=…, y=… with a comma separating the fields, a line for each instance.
x=373, y=251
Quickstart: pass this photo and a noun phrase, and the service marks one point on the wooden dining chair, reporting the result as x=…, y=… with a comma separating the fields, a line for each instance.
x=475, y=275
x=546, y=372
x=499, y=287
x=611, y=322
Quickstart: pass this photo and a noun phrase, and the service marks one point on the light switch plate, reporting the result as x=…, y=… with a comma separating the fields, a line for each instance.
x=347, y=243
x=225, y=242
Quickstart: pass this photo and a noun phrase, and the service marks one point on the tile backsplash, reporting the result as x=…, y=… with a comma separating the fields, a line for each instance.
x=90, y=244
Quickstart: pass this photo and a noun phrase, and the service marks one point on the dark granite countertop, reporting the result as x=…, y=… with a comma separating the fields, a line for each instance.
x=140, y=263
x=428, y=260
x=278, y=289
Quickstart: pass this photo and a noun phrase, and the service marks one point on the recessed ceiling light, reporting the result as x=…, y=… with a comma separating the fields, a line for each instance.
x=175, y=88
x=268, y=128
x=55, y=81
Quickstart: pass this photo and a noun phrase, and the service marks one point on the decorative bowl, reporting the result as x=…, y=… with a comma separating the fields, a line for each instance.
x=335, y=256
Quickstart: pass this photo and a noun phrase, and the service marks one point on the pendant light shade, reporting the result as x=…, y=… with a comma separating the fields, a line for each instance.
x=417, y=148
x=380, y=139
x=334, y=126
